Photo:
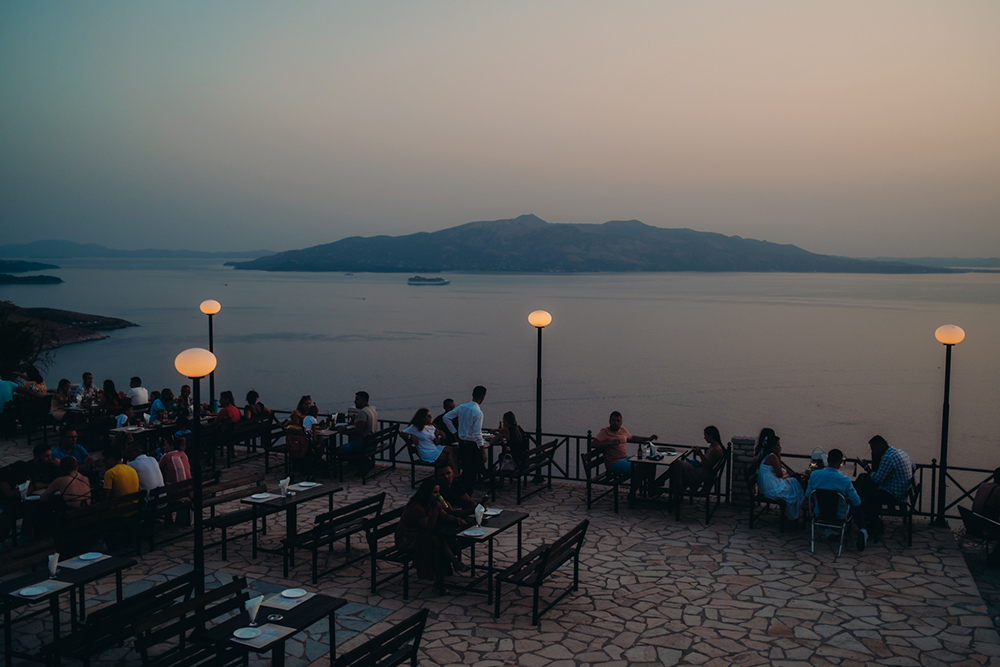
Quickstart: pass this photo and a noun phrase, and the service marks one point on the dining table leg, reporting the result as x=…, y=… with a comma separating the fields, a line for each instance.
x=8, y=643
x=278, y=655
x=489, y=571
x=333, y=637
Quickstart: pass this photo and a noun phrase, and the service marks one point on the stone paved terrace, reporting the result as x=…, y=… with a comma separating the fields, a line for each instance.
x=654, y=592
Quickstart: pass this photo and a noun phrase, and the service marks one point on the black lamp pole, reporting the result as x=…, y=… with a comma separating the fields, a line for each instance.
x=942, y=480
x=195, y=462
x=538, y=393
x=211, y=376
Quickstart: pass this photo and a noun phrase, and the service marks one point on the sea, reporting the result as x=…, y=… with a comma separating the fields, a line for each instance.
x=827, y=360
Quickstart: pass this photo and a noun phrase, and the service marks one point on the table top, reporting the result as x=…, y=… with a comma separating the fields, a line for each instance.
x=74, y=577
x=298, y=618
x=670, y=453
x=499, y=523
x=300, y=496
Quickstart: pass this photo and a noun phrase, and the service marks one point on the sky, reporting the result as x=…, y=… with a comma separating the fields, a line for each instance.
x=850, y=128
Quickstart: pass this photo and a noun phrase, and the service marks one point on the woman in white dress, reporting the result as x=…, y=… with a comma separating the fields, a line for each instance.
x=421, y=429
x=773, y=478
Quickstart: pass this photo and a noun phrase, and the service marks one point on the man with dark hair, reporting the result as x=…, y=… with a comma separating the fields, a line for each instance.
x=466, y=422
x=137, y=394
x=119, y=480
x=41, y=468
x=364, y=425
x=885, y=481
x=831, y=479
x=451, y=492
x=86, y=393
x=447, y=437
x=611, y=441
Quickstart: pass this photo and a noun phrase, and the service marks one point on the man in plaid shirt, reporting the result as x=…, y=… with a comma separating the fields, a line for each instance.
x=887, y=484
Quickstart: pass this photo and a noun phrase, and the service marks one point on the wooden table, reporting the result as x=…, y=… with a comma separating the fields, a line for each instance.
x=646, y=470
x=76, y=580
x=290, y=504
x=297, y=619
x=497, y=525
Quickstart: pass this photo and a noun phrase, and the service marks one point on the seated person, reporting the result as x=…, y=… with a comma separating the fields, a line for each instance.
x=365, y=424
x=70, y=484
x=163, y=406
x=514, y=441
x=137, y=394
x=454, y=495
x=11, y=477
x=146, y=467
x=87, y=393
x=693, y=473
x=774, y=479
x=126, y=416
x=884, y=482
x=174, y=464
x=417, y=532
x=254, y=408
x=110, y=401
x=41, y=468
x=611, y=441
x=183, y=401
x=68, y=446
x=30, y=383
x=119, y=479
x=987, y=500
x=447, y=437
x=229, y=414
x=427, y=439
x=831, y=479
x=61, y=399
x=311, y=420
x=300, y=413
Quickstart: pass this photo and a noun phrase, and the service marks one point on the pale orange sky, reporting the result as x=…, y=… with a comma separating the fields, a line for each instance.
x=846, y=128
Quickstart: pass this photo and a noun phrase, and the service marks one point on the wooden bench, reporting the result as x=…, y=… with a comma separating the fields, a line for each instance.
x=415, y=460
x=384, y=526
x=389, y=648
x=111, y=625
x=163, y=502
x=708, y=488
x=535, y=460
x=592, y=461
x=77, y=528
x=175, y=630
x=378, y=443
x=535, y=568
x=331, y=527
x=232, y=491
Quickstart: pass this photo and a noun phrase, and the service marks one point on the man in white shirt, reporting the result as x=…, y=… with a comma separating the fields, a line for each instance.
x=471, y=445
x=147, y=468
x=137, y=393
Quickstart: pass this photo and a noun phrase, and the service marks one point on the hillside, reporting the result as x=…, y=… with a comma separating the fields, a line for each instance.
x=529, y=244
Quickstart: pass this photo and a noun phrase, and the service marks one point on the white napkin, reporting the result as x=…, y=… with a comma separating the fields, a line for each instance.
x=283, y=486
x=253, y=606
x=23, y=488
x=479, y=514
x=53, y=564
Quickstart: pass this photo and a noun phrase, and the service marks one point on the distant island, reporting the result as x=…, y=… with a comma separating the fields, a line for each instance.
x=530, y=244
x=70, y=250
x=7, y=279
x=65, y=327
x=20, y=266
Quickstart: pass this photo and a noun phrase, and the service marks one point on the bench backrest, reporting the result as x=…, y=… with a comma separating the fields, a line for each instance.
x=177, y=621
x=592, y=460
x=541, y=454
x=381, y=526
x=230, y=490
x=566, y=547
x=355, y=512
x=391, y=647
x=383, y=439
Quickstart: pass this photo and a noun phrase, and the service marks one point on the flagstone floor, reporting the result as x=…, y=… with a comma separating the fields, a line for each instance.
x=653, y=591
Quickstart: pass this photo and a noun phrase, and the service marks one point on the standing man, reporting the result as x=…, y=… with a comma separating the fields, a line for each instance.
x=364, y=425
x=471, y=445
x=887, y=483
x=831, y=479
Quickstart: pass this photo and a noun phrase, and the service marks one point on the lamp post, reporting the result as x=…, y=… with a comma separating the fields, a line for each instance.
x=948, y=335
x=195, y=364
x=210, y=307
x=539, y=319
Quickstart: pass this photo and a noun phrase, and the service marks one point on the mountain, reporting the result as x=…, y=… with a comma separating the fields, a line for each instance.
x=18, y=266
x=949, y=262
x=71, y=250
x=529, y=244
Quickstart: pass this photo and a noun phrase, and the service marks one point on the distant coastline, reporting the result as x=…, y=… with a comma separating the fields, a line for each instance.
x=66, y=327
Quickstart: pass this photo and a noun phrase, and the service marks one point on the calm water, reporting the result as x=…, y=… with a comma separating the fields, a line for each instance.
x=827, y=360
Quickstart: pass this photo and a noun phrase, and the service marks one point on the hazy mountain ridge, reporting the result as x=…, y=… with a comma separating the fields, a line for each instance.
x=53, y=249
x=529, y=244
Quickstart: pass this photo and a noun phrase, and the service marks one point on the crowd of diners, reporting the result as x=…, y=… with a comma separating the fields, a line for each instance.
x=67, y=475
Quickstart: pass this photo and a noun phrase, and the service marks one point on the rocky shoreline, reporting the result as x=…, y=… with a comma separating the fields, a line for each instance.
x=65, y=327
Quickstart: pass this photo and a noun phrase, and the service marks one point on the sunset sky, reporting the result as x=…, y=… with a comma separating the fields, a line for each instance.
x=848, y=128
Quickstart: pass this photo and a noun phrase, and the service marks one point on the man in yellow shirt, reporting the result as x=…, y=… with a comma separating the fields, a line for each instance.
x=119, y=480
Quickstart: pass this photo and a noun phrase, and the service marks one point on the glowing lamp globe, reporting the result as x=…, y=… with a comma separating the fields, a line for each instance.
x=539, y=318
x=949, y=334
x=195, y=362
x=210, y=306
